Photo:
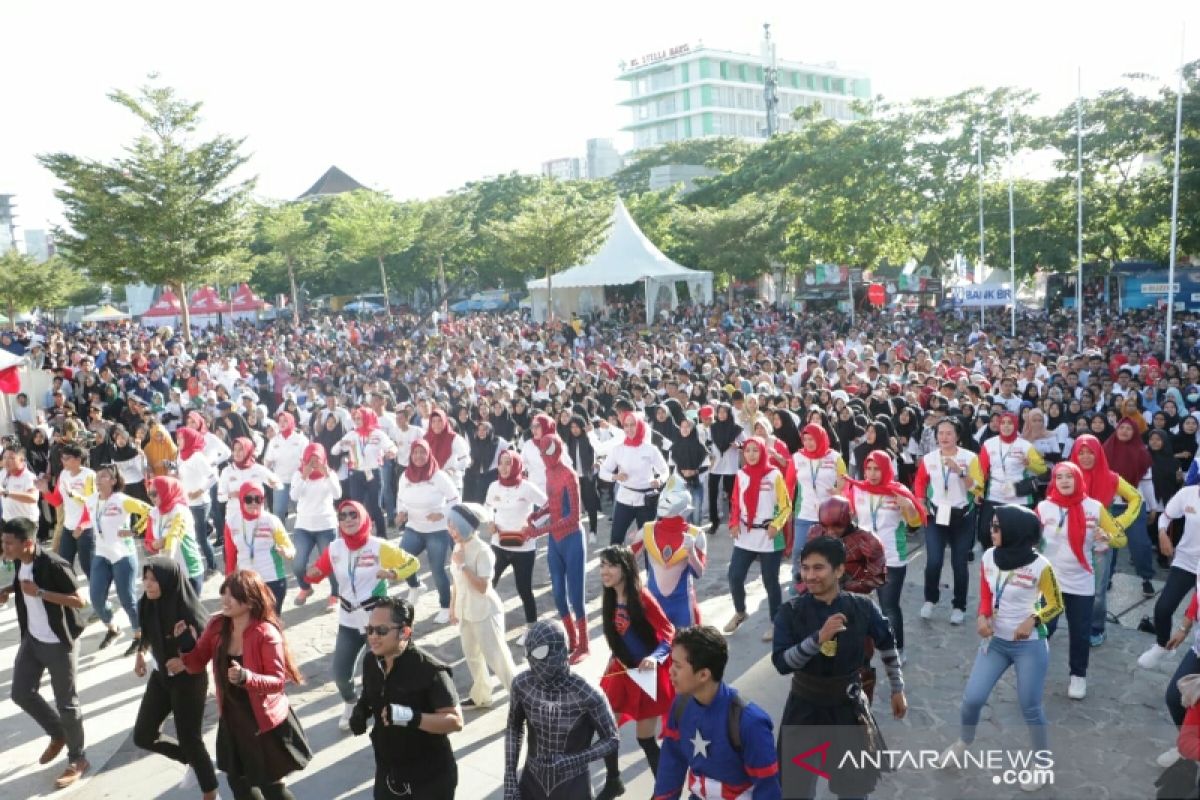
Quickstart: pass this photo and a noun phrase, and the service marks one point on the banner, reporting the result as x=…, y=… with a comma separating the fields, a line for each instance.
x=983, y=294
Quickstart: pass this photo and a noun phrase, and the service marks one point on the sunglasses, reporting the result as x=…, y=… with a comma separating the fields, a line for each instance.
x=253, y=500
x=348, y=515
x=380, y=630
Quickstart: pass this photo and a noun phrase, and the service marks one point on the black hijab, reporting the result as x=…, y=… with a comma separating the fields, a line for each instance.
x=483, y=450
x=178, y=601
x=1163, y=467
x=667, y=431
x=503, y=424
x=579, y=448
x=787, y=431
x=882, y=435
x=1020, y=532
x=688, y=452
x=724, y=431
x=328, y=438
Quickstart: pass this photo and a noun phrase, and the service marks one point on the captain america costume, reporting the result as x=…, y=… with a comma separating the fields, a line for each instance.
x=697, y=756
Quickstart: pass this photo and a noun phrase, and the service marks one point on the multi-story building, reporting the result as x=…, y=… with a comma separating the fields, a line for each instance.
x=692, y=92
x=8, y=222
x=39, y=245
x=603, y=160
x=564, y=169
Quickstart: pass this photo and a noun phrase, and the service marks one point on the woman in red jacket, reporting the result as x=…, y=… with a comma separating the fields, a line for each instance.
x=259, y=738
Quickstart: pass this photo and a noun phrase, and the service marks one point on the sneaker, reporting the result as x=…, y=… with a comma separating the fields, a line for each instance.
x=956, y=616
x=1147, y=589
x=1078, y=688
x=927, y=610
x=52, y=750
x=1097, y=639
x=109, y=637
x=133, y=647
x=613, y=787
x=443, y=616
x=1168, y=758
x=1152, y=657
x=302, y=596
x=72, y=774
x=344, y=720
x=332, y=604
x=952, y=756
x=734, y=623
x=188, y=781
x=414, y=594
x=768, y=635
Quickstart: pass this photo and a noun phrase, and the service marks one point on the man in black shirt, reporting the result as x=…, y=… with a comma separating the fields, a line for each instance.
x=412, y=699
x=48, y=604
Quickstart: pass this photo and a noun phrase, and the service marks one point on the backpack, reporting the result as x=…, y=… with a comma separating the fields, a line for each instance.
x=734, y=719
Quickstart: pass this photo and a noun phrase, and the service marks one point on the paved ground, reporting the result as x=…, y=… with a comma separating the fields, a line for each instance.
x=1104, y=745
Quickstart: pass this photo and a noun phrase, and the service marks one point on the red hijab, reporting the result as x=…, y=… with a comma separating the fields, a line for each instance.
x=169, y=491
x=190, y=443
x=888, y=485
x=356, y=540
x=249, y=488
x=541, y=425
x=287, y=424
x=820, y=436
x=202, y=425
x=367, y=421
x=514, y=473
x=1099, y=482
x=441, y=445
x=1129, y=459
x=1016, y=422
x=754, y=474
x=314, y=450
x=640, y=436
x=248, y=448
x=425, y=472
x=1073, y=503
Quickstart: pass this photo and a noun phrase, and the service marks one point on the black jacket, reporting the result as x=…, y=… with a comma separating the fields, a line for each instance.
x=52, y=573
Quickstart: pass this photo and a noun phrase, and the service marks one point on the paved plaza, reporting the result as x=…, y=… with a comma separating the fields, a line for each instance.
x=1104, y=746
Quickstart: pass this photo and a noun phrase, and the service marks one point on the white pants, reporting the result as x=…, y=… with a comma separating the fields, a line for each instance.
x=484, y=646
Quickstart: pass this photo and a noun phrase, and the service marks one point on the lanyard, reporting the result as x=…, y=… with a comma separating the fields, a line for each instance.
x=875, y=513
x=250, y=541
x=814, y=469
x=1003, y=456
x=945, y=478
x=351, y=568
x=1003, y=583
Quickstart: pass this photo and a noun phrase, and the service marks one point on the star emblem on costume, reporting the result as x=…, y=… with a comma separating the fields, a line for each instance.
x=699, y=746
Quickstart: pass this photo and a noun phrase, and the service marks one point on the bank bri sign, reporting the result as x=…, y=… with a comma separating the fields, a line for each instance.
x=983, y=294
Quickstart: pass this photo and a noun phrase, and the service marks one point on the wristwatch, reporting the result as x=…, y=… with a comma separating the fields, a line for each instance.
x=41, y=593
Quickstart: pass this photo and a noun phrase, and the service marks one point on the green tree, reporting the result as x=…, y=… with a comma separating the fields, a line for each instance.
x=26, y=283
x=445, y=230
x=295, y=246
x=552, y=231
x=722, y=153
x=707, y=238
x=367, y=224
x=168, y=212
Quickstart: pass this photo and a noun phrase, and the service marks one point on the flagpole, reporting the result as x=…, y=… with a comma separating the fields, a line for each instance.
x=1079, y=210
x=1175, y=199
x=979, y=150
x=1012, y=229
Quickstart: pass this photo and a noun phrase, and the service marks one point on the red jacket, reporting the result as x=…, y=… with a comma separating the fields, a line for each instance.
x=262, y=658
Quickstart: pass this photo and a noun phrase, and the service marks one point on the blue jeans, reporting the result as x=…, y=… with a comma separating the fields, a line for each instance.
x=1189, y=665
x=279, y=501
x=623, y=515
x=387, y=489
x=567, y=561
x=200, y=518
x=1077, y=608
x=1031, y=657
x=889, y=601
x=85, y=546
x=305, y=543
x=104, y=574
x=799, y=537
x=348, y=650
x=439, y=544
x=960, y=540
x=367, y=492
x=1102, y=569
x=739, y=568
x=197, y=584
x=1179, y=585
x=1140, y=550
x=697, y=493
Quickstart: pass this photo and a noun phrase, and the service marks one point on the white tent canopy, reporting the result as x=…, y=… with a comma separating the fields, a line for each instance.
x=626, y=257
x=105, y=313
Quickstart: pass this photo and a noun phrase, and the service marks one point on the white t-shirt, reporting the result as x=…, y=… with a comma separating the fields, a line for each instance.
x=21, y=484
x=1073, y=578
x=815, y=482
x=511, y=507
x=1186, y=505
x=35, y=611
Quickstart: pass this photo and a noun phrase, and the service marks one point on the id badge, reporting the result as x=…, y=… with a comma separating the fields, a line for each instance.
x=943, y=515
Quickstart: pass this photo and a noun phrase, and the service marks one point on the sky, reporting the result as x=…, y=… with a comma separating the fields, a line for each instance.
x=418, y=98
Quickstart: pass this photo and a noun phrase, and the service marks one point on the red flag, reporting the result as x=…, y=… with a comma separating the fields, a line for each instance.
x=10, y=379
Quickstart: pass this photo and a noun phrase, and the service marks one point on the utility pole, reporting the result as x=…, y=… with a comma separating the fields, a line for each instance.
x=770, y=82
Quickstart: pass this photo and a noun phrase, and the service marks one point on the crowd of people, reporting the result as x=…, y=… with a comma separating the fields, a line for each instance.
x=279, y=457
